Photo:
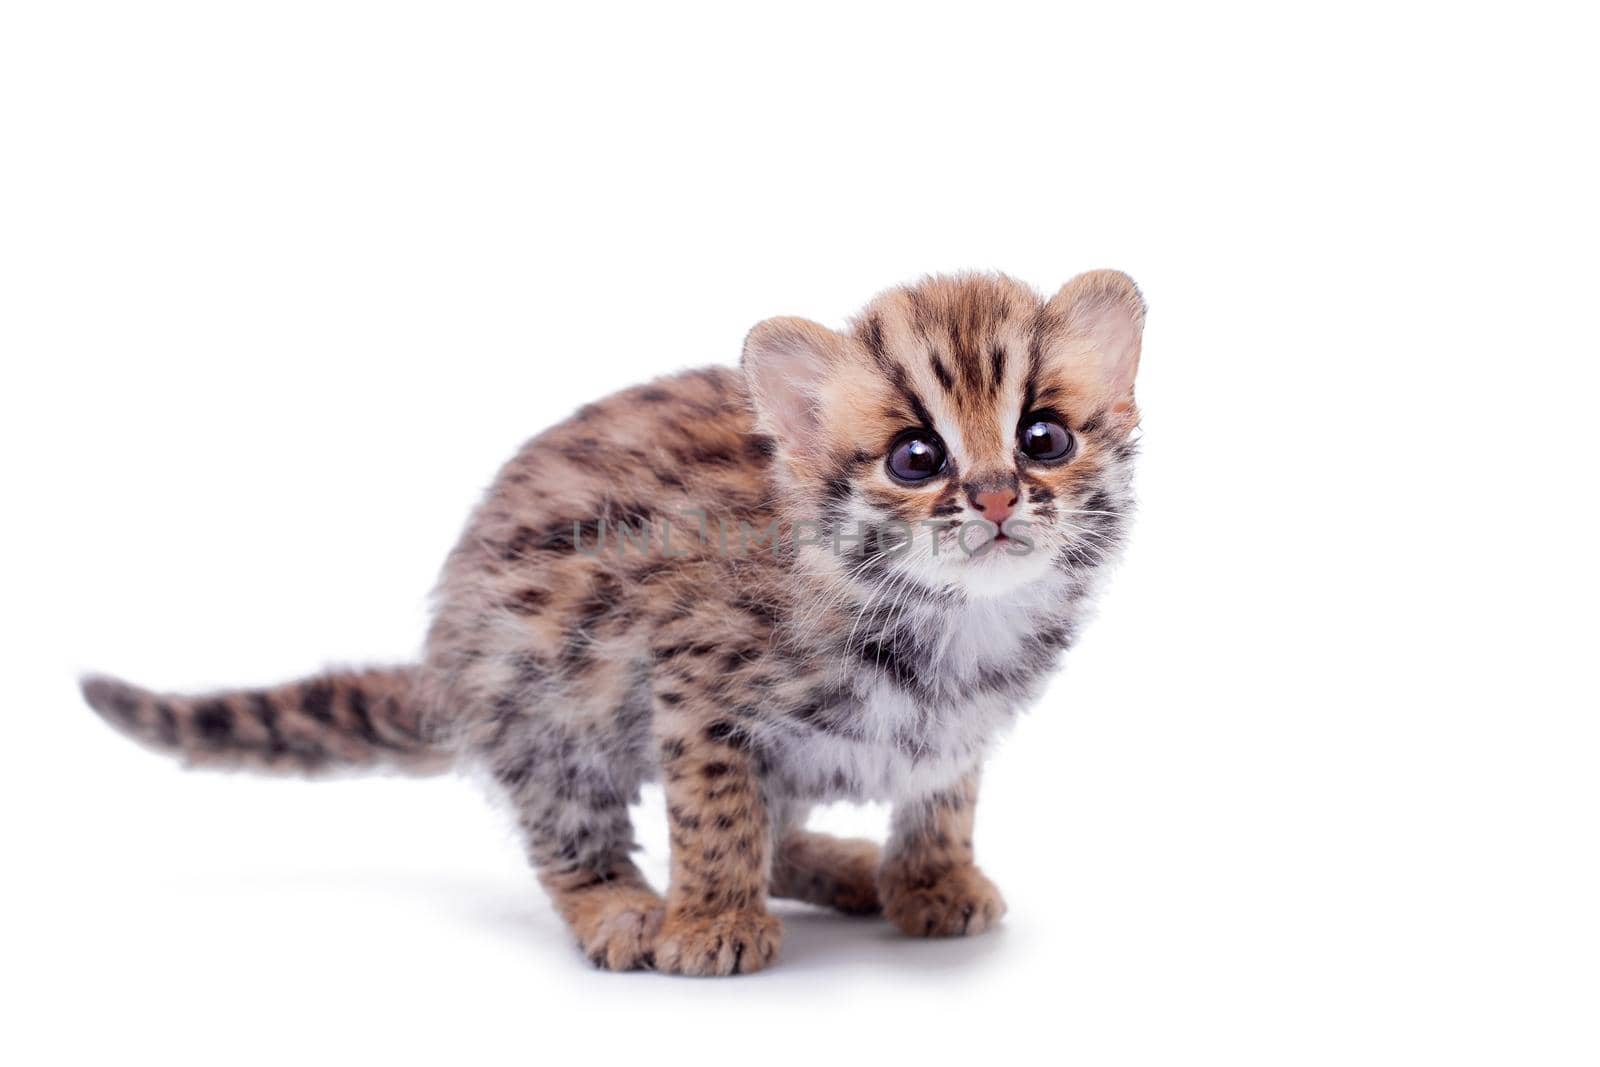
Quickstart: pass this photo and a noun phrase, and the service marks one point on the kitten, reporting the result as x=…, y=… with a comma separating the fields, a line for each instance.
x=836, y=573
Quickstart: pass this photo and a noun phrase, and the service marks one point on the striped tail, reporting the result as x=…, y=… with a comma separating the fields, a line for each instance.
x=341, y=719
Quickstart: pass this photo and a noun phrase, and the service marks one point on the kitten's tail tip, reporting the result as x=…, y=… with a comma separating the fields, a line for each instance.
x=100, y=690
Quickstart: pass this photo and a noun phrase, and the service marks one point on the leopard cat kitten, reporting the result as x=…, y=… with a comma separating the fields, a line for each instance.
x=837, y=572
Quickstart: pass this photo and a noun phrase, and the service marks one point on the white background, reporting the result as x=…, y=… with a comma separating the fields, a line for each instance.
x=284, y=283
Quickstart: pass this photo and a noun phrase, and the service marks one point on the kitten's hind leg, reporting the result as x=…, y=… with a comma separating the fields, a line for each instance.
x=831, y=872
x=574, y=818
x=614, y=913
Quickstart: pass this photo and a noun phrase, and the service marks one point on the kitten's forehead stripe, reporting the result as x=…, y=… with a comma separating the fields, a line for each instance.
x=919, y=411
x=872, y=334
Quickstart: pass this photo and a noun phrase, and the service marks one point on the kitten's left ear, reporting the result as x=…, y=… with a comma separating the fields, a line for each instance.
x=1103, y=312
x=786, y=361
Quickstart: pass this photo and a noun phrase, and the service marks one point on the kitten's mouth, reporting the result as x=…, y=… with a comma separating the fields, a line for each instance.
x=999, y=542
x=998, y=538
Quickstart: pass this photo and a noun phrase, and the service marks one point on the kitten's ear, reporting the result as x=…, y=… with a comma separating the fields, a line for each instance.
x=1103, y=312
x=786, y=362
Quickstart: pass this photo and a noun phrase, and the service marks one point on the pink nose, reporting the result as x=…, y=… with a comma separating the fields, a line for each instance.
x=996, y=504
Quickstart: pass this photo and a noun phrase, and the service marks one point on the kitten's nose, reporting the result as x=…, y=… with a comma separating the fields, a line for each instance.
x=996, y=504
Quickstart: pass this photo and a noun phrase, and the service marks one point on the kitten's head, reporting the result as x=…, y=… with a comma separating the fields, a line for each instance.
x=966, y=434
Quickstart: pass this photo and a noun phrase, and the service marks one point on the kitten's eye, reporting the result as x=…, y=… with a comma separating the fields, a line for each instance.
x=1043, y=438
x=916, y=456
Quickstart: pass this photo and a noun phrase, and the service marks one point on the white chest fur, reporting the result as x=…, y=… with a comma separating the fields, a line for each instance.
x=907, y=748
x=908, y=740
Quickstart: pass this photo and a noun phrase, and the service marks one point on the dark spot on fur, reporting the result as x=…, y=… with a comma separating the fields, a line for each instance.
x=1099, y=501
x=889, y=654
x=734, y=736
x=629, y=513
x=361, y=716
x=707, y=455
x=738, y=658
x=515, y=776
x=261, y=708
x=214, y=723
x=316, y=700
x=757, y=608
x=672, y=652
x=527, y=601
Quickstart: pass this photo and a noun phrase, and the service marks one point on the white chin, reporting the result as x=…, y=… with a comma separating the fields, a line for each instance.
x=995, y=571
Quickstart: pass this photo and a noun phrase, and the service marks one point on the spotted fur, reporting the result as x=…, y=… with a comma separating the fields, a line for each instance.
x=633, y=601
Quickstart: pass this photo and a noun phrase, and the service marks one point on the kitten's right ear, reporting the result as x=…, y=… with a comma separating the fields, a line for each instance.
x=786, y=361
x=1103, y=313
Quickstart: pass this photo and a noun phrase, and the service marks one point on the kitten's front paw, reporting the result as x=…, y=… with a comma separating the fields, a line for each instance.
x=735, y=942
x=950, y=903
